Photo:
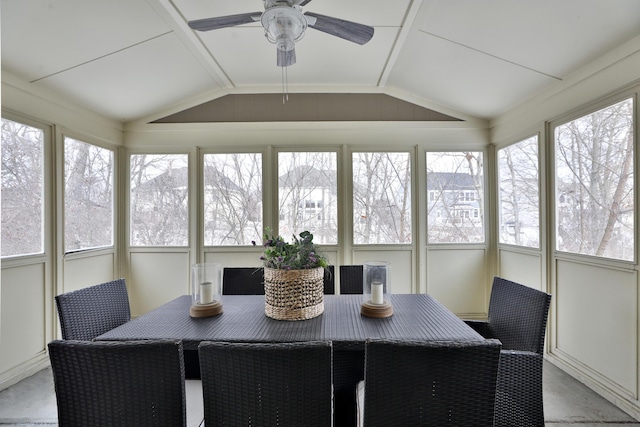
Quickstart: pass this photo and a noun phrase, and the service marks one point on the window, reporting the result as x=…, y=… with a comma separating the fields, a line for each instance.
x=232, y=199
x=159, y=200
x=381, y=198
x=455, y=209
x=308, y=195
x=519, y=194
x=88, y=196
x=594, y=183
x=22, y=189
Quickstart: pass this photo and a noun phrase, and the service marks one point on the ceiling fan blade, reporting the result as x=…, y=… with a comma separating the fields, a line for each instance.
x=352, y=31
x=304, y=2
x=224, y=21
x=286, y=57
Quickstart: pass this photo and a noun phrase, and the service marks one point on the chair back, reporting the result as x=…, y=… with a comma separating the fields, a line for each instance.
x=266, y=384
x=351, y=279
x=410, y=383
x=518, y=315
x=86, y=313
x=118, y=383
x=329, y=280
x=243, y=281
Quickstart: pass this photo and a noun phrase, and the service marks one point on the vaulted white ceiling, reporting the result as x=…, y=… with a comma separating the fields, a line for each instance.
x=137, y=59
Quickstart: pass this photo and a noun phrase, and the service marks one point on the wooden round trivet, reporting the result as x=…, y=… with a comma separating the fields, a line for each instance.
x=376, y=310
x=206, y=310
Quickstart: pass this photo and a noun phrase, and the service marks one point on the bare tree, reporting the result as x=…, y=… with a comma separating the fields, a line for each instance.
x=22, y=189
x=159, y=200
x=381, y=198
x=233, y=198
x=88, y=195
x=594, y=183
x=307, y=192
x=519, y=193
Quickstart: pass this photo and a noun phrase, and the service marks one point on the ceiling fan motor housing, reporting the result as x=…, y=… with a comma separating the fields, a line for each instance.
x=283, y=25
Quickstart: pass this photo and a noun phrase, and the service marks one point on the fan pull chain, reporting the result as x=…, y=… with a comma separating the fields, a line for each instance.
x=285, y=85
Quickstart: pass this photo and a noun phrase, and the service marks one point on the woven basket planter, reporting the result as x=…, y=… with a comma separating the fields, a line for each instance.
x=293, y=294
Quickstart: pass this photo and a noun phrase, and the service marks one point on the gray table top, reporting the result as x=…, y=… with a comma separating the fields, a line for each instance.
x=415, y=317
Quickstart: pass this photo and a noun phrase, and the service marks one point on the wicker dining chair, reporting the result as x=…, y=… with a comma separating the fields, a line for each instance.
x=266, y=384
x=86, y=313
x=329, y=280
x=351, y=279
x=243, y=281
x=118, y=383
x=250, y=281
x=518, y=318
x=429, y=383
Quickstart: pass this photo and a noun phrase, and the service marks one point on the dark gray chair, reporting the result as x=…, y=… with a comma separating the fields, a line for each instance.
x=243, y=281
x=250, y=281
x=263, y=384
x=518, y=318
x=118, y=383
x=409, y=383
x=351, y=279
x=86, y=313
x=329, y=280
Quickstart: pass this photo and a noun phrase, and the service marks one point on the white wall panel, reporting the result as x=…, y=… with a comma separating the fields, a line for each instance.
x=524, y=268
x=457, y=278
x=87, y=271
x=234, y=259
x=401, y=267
x=597, y=321
x=157, y=278
x=22, y=325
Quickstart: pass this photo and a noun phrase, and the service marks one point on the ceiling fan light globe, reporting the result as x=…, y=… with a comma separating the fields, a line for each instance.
x=283, y=26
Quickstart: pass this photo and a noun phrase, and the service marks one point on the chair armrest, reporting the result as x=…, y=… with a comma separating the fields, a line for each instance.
x=519, y=394
x=480, y=327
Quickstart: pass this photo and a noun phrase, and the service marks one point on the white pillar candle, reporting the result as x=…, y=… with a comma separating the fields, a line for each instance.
x=377, y=293
x=206, y=293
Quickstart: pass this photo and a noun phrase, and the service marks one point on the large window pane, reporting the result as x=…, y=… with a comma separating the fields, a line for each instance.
x=307, y=192
x=88, y=196
x=594, y=183
x=159, y=200
x=455, y=197
x=22, y=189
x=519, y=193
x=381, y=198
x=232, y=199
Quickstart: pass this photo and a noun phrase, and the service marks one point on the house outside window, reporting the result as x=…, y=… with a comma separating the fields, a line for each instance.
x=455, y=213
x=308, y=195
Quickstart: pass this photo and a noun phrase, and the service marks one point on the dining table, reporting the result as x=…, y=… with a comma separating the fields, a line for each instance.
x=415, y=317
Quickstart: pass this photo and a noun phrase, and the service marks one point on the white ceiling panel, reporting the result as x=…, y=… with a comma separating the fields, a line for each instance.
x=464, y=79
x=369, y=12
x=549, y=36
x=130, y=59
x=321, y=59
x=138, y=79
x=47, y=37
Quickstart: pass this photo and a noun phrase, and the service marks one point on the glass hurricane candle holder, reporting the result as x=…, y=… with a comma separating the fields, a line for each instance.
x=376, y=286
x=206, y=284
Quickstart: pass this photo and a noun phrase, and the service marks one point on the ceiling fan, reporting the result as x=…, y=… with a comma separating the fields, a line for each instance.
x=284, y=23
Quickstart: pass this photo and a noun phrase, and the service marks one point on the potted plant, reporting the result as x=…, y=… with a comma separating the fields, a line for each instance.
x=293, y=277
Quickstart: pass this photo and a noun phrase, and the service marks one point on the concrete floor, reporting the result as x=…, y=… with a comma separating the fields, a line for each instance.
x=567, y=403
